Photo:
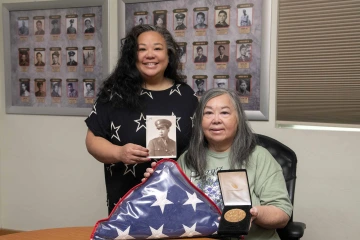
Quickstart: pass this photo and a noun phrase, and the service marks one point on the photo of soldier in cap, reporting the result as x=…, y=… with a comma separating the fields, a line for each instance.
x=201, y=88
x=71, y=58
x=55, y=27
x=221, y=83
x=23, y=27
x=23, y=58
x=162, y=145
x=71, y=26
x=179, y=19
x=200, y=58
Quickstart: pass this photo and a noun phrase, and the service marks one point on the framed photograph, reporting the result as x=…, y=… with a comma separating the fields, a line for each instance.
x=236, y=37
x=48, y=40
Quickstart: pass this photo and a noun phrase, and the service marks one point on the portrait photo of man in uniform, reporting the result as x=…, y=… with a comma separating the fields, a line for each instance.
x=39, y=61
x=200, y=85
x=200, y=21
x=24, y=58
x=200, y=58
x=244, y=53
x=72, y=92
x=39, y=27
x=245, y=15
x=40, y=89
x=71, y=58
x=55, y=27
x=56, y=89
x=71, y=24
x=243, y=86
x=162, y=145
x=221, y=83
x=55, y=58
x=222, y=57
x=23, y=27
x=179, y=21
x=221, y=19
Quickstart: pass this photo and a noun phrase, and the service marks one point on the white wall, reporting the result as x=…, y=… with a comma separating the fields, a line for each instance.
x=47, y=178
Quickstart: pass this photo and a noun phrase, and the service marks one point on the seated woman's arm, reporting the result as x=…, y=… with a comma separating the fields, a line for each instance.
x=106, y=152
x=269, y=217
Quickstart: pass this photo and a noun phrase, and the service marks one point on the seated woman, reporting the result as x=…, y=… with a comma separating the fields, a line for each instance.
x=222, y=140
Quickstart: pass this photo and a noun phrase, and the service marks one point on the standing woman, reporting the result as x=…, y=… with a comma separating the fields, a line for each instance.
x=145, y=82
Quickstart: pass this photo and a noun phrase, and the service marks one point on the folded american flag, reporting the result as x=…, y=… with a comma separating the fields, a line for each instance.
x=166, y=205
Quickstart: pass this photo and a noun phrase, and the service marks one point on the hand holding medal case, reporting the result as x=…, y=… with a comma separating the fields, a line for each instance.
x=235, y=191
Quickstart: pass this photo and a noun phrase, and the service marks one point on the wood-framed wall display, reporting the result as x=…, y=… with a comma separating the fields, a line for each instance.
x=55, y=71
x=227, y=44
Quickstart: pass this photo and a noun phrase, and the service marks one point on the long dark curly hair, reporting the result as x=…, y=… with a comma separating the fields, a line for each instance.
x=123, y=86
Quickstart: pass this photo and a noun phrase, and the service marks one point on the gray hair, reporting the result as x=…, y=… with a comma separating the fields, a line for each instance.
x=243, y=144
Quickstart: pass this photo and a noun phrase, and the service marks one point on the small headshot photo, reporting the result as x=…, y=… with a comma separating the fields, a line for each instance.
x=71, y=25
x=40, y=89
x=200, y=86
x=72, y=91
x=89, y=90
x=89, y=57
x=71, y=58
x=39, y=29
x=89, y=25
x=56, y=89
x=39, y=58
x=243, y=86
x=162, y=132
x=55, y=27
x=24, y=89
x=199, y=53
x=140, y=20
x=23, y=27
x=55, y=58
x=221, y=83
x=244, y=16
x=179, y=19
x=182, y=54
x=244, y=53
x=160, y=20
x=200, y=20
x=24, y=58
x=222, y=53
x=222, y=20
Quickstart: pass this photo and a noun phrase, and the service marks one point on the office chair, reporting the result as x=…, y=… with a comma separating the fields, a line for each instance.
x=287, y=160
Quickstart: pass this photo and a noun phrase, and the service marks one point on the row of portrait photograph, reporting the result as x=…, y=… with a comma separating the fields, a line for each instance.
x=221, y=54
x=39, y=88
x=69, y=57
x=201, y=84
x=180, y=20
x=36, y=26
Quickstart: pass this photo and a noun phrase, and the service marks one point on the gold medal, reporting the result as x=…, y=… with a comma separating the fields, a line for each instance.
x=234, y=215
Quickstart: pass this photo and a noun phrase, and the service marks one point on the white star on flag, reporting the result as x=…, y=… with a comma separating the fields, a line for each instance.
x=146, y=92
x=129, y=169
x=157, y=233
x=161, y=201
x=190, y=232
x=177, y=121
x=123, y=234
x=116, y=131
x=176, y=90
x=193, y=200
x=93, y=110
x=138, y=121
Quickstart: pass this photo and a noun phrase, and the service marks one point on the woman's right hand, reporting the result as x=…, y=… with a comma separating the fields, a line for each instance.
x=132, y=154
x=149, y=171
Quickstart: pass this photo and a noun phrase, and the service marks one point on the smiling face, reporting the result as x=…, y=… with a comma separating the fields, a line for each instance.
x=219, y=122
x=152, y=56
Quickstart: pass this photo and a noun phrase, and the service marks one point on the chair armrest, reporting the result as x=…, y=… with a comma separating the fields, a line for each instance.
x=293, y=230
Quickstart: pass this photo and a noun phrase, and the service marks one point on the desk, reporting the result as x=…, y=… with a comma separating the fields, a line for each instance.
x=72, y=233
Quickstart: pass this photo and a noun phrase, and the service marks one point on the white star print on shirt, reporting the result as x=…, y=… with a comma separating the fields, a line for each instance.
x=138, y=121
x=116, y=131
x=157, y=233
x=176, y=90
x=192, y=120
x=177, y=121
x=93, y=110
x=193, y=200
x=161, y=201
x=123, y=234
x=147, y=93
x=190, y=232
x=127, y=170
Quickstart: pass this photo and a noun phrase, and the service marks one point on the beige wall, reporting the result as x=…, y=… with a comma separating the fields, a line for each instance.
x=47, y=178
